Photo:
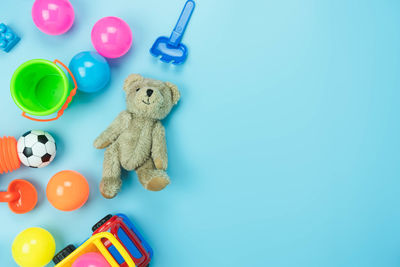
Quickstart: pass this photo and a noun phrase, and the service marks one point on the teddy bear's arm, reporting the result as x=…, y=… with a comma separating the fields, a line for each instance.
x=113, y=131
x=159, y=147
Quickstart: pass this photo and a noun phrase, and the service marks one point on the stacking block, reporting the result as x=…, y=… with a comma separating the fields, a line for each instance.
x=8, y=39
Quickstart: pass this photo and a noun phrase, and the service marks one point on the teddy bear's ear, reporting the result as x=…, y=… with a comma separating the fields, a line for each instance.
x=133, y=78
x=176, y=95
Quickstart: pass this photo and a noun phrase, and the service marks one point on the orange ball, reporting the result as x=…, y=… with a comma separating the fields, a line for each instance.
x=67, y=190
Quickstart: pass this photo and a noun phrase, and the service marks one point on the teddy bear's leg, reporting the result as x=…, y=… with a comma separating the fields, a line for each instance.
x=111, y=181
x=151, y=178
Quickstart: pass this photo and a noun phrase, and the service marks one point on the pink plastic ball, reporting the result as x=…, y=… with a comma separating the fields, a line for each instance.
x=111, y=37
x=53, y=17
x=91, y=259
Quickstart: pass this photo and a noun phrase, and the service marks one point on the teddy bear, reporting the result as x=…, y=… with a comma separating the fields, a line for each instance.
x=135, y=140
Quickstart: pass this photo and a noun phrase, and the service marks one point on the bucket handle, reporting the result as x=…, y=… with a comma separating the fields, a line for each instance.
x=67, y=102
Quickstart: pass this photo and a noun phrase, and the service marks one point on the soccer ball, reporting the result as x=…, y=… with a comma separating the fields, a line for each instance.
x=36, y=149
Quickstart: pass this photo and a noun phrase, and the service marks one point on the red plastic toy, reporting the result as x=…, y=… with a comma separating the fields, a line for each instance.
x=9, y=160
x=117, y=239
x=21, y=196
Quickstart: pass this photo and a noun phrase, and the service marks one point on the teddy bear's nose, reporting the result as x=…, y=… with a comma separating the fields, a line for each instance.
x=149, y=92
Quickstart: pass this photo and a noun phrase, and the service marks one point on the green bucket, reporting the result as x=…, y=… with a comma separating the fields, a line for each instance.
x=39, y=87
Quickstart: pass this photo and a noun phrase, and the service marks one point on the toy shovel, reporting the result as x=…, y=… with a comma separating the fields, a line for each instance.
x=171, y=49
x=21, y=196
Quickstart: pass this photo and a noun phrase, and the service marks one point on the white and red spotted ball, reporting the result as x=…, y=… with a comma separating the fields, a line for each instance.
x=36, y=149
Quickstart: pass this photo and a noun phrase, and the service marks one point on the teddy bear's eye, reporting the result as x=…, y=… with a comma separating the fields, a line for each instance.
x=137, y=90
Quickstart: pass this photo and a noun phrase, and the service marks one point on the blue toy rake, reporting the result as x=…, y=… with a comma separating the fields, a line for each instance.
x=171, y=49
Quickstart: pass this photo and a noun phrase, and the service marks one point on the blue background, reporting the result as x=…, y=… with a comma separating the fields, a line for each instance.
x=284, y=150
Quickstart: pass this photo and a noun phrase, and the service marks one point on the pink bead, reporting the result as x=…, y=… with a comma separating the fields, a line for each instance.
x=53, y=17
x=91, y=259
x=111, y=37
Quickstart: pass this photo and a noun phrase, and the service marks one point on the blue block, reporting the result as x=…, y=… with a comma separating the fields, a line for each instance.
x=8, y=39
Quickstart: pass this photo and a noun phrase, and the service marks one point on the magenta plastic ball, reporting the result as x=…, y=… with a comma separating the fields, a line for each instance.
x=53, y=17
x=91, y=259
x=112, y=37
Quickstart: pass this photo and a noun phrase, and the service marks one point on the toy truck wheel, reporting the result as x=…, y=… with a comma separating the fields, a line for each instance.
x=63, y=254
x=101, y=222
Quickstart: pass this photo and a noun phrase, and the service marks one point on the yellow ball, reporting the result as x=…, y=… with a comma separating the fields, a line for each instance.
x=33, y=247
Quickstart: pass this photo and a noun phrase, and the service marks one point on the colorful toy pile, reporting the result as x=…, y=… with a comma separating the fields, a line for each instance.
x=41, y=88
x=115, y=241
